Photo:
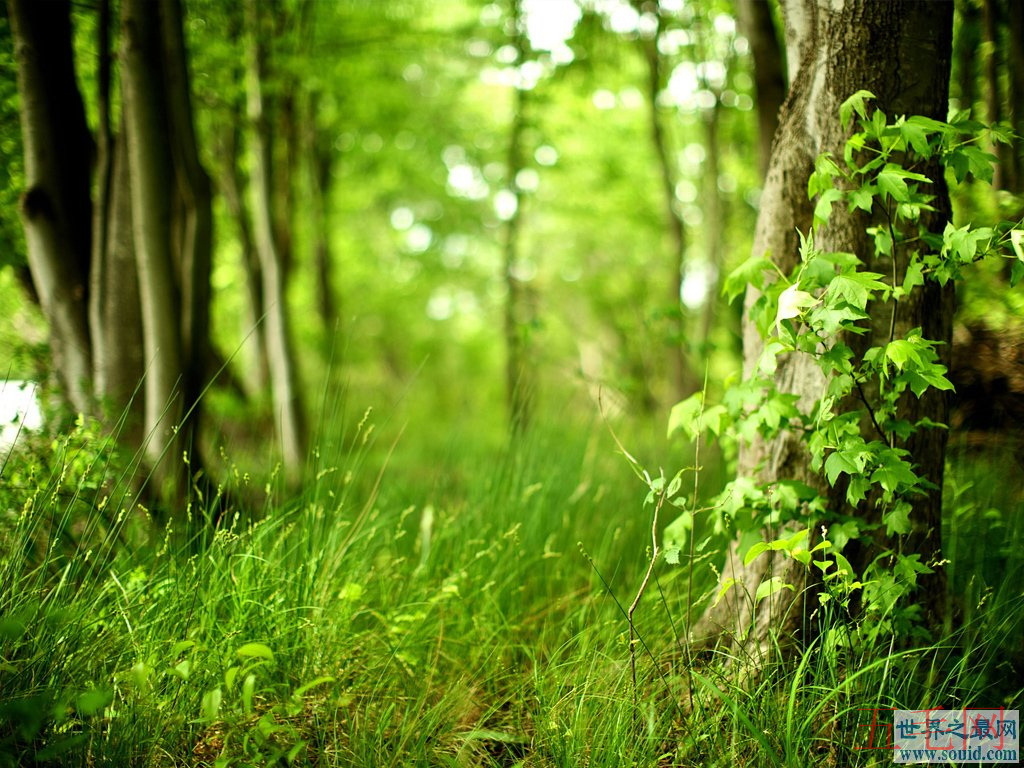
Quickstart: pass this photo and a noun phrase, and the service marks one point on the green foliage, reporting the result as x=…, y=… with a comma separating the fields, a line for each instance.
x=815, y=311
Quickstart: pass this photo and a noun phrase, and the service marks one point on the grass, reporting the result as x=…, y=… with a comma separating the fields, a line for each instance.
x=460, y=607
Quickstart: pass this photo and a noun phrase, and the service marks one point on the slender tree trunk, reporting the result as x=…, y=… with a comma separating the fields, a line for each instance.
x=714, y=220
x=195, y=222
x=321, y=175
x=965, y=51
x=56, y=207
x=288, y=414
x=755, y=19
x=683, y=381
x=151, y=170
x=518, y=374
x=1015, y=72
x=115, y=318
x=835, y=49
x=233, y=185
x=115, y=313
x=993, y=90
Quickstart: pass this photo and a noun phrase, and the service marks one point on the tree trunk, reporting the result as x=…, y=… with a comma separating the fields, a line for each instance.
x=899, y=50
x=115, y=319
x=755, y=19
x=194, y=223
x=518, y=374
x=993, y=90
x=286, y=394
x=56, y=207
x=1015, y=75
x=320, y=155
x=965, y=53
x=714, y=221
x=115, y=314
x=683, y=381
x=151, y=171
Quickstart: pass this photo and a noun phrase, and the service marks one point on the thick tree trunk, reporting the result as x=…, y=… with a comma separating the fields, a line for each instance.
x=899, y=50
x=151, y=171
x=288, y=414
x=56, y=207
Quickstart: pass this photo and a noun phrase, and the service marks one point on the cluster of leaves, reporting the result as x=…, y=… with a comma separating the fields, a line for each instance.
x=855, y=431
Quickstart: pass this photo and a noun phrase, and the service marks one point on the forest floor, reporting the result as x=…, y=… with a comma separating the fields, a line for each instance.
x=443, y=602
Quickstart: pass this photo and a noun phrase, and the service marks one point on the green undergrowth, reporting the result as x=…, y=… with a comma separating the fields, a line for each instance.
x=461, y=604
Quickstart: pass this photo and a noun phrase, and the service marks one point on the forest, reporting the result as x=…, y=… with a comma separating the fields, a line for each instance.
x=511, y=382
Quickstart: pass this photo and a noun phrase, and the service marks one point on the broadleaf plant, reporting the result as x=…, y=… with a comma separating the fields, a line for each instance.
x=812, y=310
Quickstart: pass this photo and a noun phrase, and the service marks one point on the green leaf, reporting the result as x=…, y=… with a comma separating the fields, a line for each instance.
x=981, y=163
x=672, y=555
x=685, y=415
x=855, y=103
x=892, y=181
x=93, y=702
x=823, y=208
x=1017, y=242
x=255, y=650
x=863, y=198
x=751, y=272
x=898, y=519
x=727, y=584
x=1016, y=273
x=211, y=704
x=248, y=692
x=752, y=553
x=856, y=288
x=894, y=474
x=837, y=463
x=716, y=418
x=914, y=134
x=770, y=587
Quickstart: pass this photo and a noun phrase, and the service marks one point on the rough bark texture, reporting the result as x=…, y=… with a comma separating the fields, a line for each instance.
x=899, y=50
x=56, y=208
x=288, y=414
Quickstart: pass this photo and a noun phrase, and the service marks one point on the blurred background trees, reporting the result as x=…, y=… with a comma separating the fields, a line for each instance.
x=487, y=212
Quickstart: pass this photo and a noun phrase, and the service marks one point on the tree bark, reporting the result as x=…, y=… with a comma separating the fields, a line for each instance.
x=683, y=381
x=519, y=387
x=993, y=90
x=288, y=414
x=758, y=26
x=899, y=50
x=115, y=319
x=115, y=314
x=194, y=223
x=151, y=170
x=1015, y=75
x=56, y=207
